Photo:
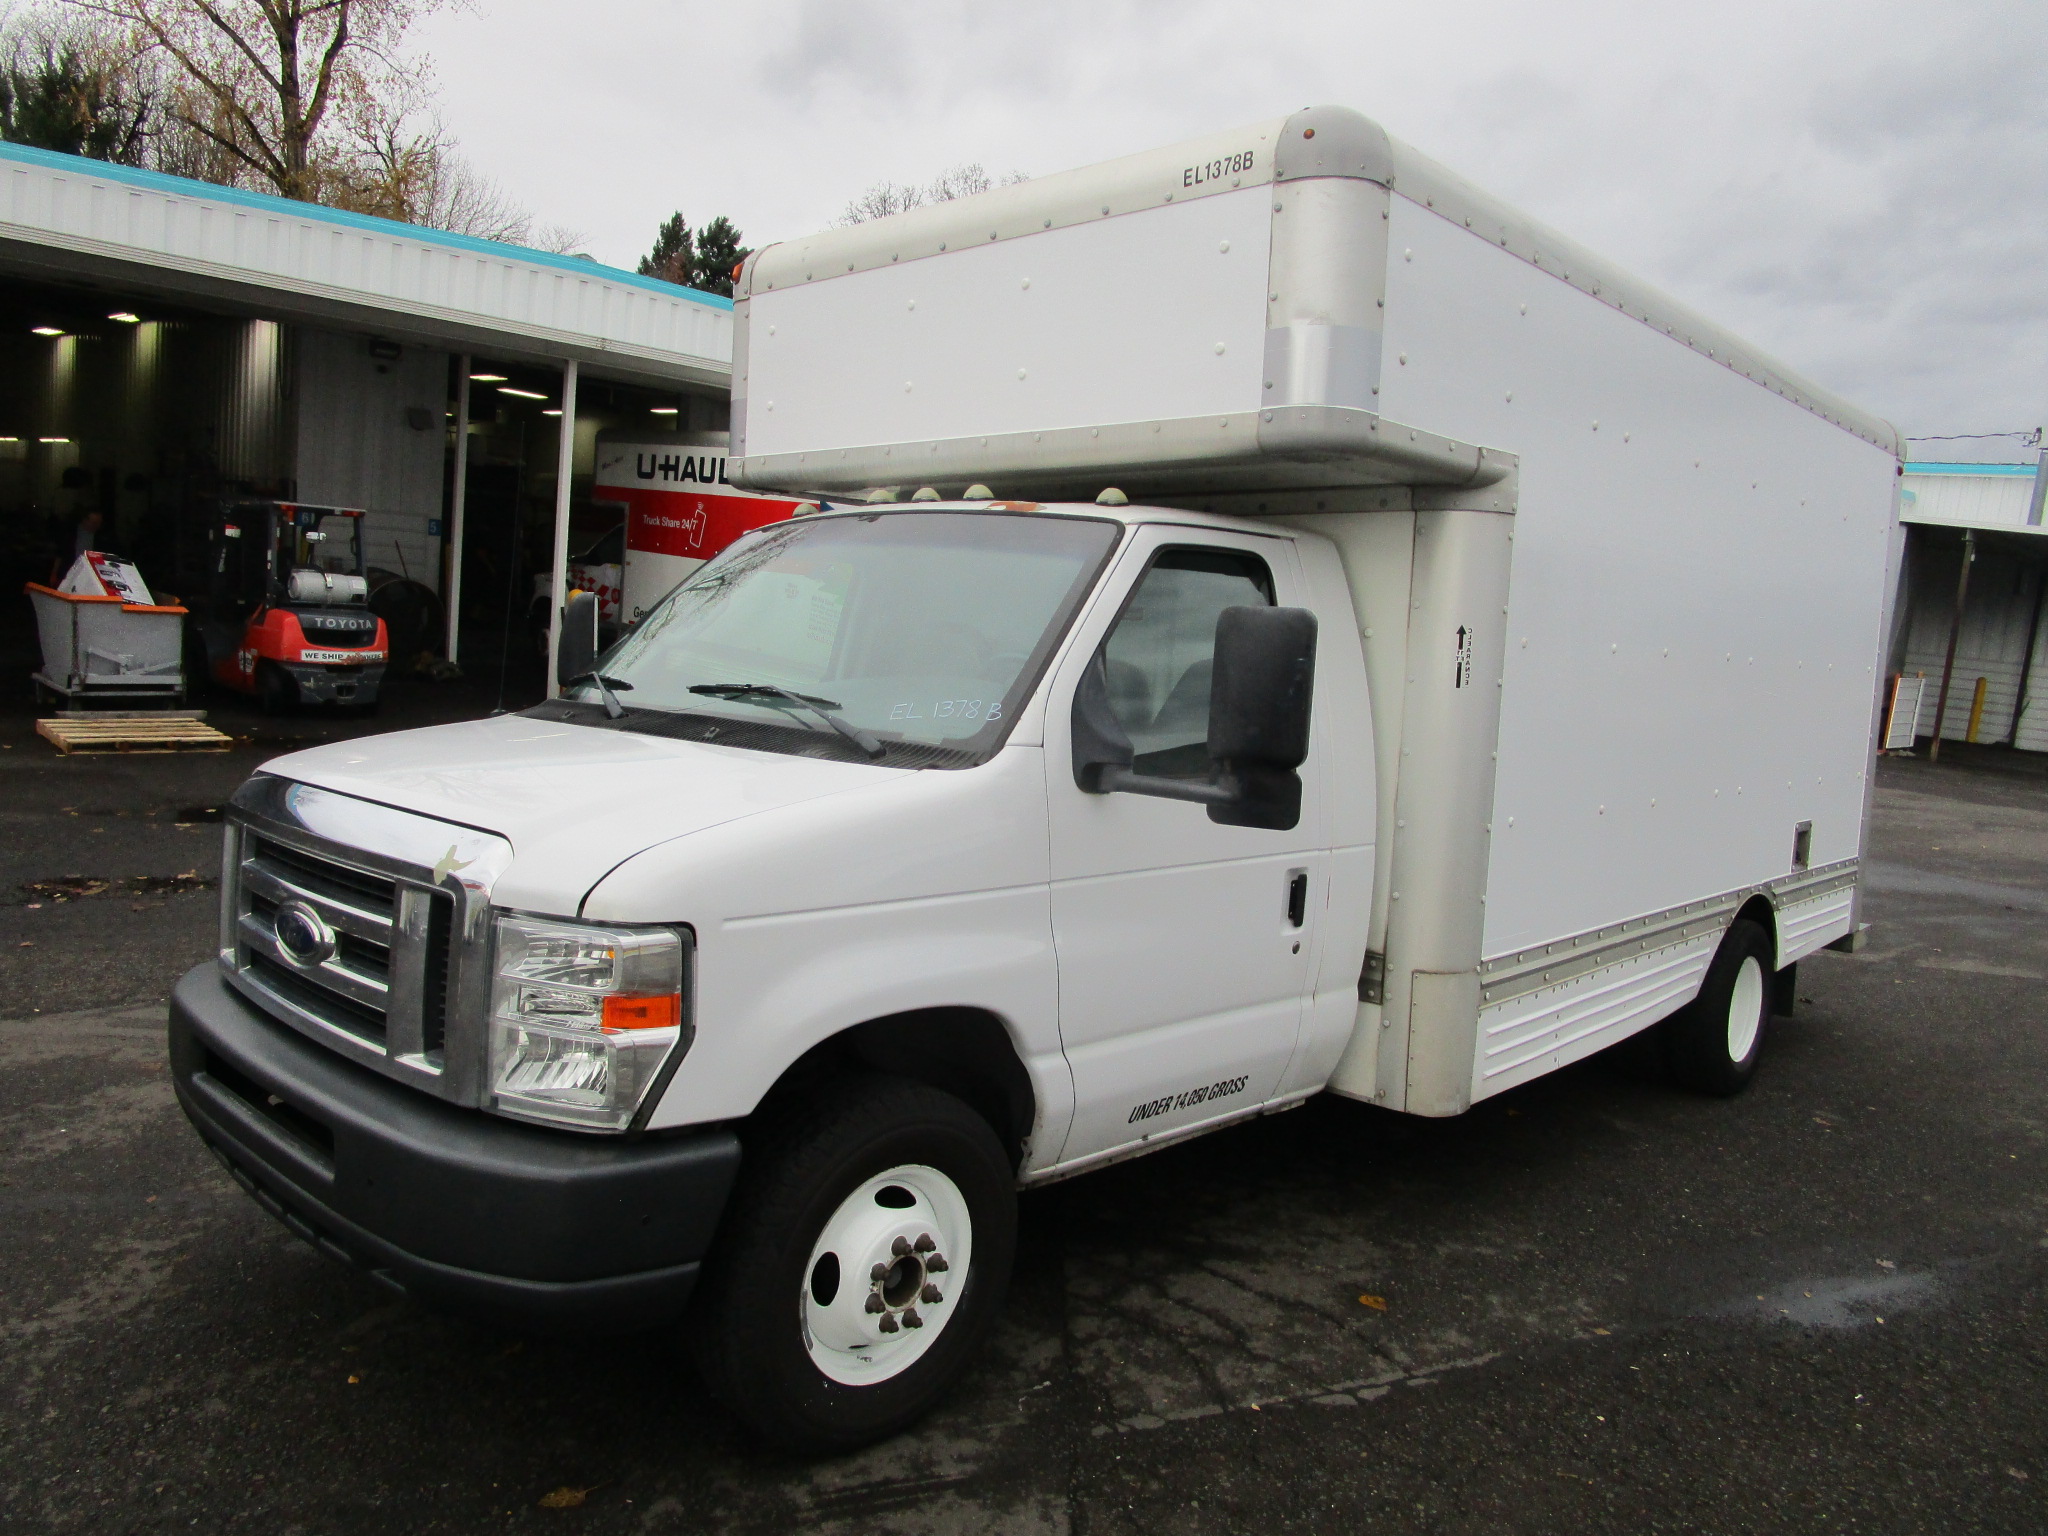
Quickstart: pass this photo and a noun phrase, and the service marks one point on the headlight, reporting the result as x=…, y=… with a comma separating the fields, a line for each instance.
x=583, y=1019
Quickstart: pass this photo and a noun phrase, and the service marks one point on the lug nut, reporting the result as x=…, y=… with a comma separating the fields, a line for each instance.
x=925, y=1243
x=888, y=1324
x=929, y=1294
x=901, y=1247
x=936, y=1264
x=879, y=1273
x=876, y=1304
x=911, y=1319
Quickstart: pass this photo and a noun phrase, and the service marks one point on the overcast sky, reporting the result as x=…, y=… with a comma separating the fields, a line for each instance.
x=1860, y=189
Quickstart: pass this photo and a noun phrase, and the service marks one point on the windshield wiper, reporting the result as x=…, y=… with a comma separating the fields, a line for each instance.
x=766, y=693
x=613, y=709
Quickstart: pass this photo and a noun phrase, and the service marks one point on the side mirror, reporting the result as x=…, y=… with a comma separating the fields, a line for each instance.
x=577, y=656
x=1261, y=690
x=1259, y=703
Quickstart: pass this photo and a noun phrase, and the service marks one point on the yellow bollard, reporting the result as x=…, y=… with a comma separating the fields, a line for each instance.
x=1977, y=708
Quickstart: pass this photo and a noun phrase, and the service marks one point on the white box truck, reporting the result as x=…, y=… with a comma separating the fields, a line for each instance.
x=1274, y=621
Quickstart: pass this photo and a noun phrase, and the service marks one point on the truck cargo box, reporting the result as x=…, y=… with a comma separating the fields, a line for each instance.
x=1621, y=581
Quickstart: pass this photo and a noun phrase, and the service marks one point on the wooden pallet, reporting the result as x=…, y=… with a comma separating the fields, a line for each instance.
x=132, y=733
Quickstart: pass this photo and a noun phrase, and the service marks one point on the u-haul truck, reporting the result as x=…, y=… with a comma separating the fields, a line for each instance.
x=1279, y=622
x=679, y=508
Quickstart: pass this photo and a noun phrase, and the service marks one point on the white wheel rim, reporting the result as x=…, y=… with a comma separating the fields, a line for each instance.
x=900, y=1246
x=1745, y=1010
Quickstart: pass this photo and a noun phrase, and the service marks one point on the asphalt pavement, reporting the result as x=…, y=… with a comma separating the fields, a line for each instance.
x=1593, y=1304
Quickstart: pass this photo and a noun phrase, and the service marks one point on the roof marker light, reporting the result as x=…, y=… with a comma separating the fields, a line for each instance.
x=978, y=493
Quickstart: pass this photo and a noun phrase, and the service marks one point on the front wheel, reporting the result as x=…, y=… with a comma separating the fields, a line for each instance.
x=1712, y=1044
x=863, y=1262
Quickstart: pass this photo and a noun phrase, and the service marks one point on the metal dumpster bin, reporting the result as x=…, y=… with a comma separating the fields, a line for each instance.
x=105, y=647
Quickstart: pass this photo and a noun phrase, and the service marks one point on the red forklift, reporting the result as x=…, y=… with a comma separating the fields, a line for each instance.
x=287, y=614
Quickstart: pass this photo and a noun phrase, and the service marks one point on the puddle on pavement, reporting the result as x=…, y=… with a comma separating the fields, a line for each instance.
x=1843, y=1302
x=197, y=815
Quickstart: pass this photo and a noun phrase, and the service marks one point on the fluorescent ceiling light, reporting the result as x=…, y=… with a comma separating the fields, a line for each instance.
x=661, y=410
x=47, y=330
x=523, y=394
x=551, y=411
x=489, y=378
x=9, y=439
x=126, y=317
x=53, y=439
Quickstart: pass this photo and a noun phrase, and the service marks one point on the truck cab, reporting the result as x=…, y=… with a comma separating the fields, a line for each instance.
x=839, y=838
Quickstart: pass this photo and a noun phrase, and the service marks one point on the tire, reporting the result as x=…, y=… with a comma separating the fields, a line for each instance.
x=863, y=1260
x=1712, y=1044
x=277, y=692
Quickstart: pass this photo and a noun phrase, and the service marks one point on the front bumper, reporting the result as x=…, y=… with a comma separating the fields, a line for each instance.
x=455, y=1206
x=337, y=683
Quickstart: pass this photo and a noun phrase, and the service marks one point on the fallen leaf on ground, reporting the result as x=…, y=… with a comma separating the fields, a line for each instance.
x=1377, y=1303
x=564, y=1497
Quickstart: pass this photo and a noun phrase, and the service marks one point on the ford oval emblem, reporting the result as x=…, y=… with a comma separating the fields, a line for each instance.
x=303, y=935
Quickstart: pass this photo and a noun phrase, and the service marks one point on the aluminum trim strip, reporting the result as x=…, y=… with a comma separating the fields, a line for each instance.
x=1507, y=977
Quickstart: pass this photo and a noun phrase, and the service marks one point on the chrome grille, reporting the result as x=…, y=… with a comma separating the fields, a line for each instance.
x=409, y=938
x=352, y=989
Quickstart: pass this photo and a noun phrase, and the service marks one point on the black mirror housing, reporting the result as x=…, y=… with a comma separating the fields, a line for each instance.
x=1259, y=699
x=1259, y=704
x=1260, y=696
x=577, y=656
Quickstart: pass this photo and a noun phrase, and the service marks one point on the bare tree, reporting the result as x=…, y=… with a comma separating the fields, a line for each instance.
x=887, y=197
x=259, y=80
x=388, y=167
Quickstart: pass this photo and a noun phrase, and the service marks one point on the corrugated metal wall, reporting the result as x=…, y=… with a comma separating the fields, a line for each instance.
x=2004, y=587
x=1997, y=496
x=373, y=433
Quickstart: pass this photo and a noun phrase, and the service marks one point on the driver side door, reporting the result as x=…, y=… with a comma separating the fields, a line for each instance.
x=1185, y=947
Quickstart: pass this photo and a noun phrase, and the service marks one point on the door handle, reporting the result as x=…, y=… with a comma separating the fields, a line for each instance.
x=1297, y=897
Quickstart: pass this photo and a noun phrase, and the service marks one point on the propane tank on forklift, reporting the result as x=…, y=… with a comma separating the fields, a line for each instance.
x=286, y=617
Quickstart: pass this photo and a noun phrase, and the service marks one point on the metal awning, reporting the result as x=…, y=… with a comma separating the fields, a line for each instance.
x=68, y=219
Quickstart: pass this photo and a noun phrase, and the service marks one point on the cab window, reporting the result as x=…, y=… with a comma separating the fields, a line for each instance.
x=1160, y=655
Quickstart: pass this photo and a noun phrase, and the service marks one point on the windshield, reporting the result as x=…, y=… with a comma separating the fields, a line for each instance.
x=323, y=541
x=916, y=627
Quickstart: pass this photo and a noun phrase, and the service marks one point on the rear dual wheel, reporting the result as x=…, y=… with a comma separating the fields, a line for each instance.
x=863, y=1260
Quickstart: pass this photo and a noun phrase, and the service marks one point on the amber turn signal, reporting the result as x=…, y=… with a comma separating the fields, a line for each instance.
x=663, y=1012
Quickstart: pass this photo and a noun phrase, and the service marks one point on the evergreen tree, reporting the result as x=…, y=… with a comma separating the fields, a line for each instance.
x=718, y=252
x=52, y=97
x=672, y=258
x=703, y=260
